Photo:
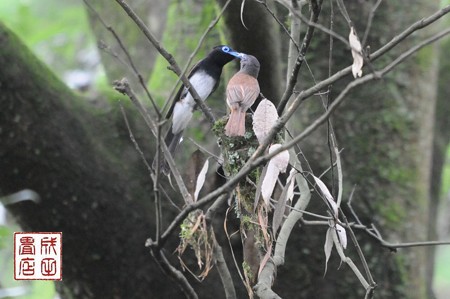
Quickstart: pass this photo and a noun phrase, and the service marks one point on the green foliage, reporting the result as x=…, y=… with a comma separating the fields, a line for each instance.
x=56, y=30
x=5, y=232
x=445, y=188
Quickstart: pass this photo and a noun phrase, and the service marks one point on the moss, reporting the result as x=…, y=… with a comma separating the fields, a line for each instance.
x=393, y=214
x=247, y=270
x=425, y=57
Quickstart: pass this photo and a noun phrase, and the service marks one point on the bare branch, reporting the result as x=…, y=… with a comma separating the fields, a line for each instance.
x=173, y=273
x=304, y=48
x=369, y=22
x=197, y=48
x=170, y=59
x=124, y=88
x=127, y=54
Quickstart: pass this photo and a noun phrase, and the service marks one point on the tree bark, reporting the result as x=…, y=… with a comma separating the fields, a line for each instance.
x=92, y=185
x=261, y=38
x=440, y=143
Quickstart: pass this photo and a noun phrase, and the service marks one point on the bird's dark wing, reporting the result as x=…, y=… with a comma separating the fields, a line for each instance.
x=182, y=91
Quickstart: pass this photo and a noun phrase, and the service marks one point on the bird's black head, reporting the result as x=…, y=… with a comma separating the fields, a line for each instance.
x=223, y=54
x=250, y=65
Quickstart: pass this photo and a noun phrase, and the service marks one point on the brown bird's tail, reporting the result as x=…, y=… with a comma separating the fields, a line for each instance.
x=236, y=124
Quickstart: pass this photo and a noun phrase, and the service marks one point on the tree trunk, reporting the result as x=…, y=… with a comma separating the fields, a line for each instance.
x=440, y=144
x=93, y=186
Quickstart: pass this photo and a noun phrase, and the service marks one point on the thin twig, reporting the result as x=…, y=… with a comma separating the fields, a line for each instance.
x=169, y=57
x=369, y=22
x=124, y=88
x=222, y=268
x=359, y=250
x=291, y=36
x=304, y=48
x=127, y=54
x=173, y=273
x=197, y=48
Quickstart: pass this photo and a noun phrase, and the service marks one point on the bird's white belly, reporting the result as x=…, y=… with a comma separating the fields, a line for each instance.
x=183, y=110
x=203, y=85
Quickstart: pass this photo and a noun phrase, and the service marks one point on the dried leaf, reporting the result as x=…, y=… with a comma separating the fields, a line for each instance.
x=280, y=207
x=356, y=48
x=193, y=168
x=265, y=259
x=259, y=187
x=278, y=212
x=291, y=183
x=281, y=160
x=242, y=14
x=328, y=247
x=263, y=220
x=342, y=235
x=201, y=179
x=269, y=181
x=277, y=164
x=327, y=194
x=264, y=119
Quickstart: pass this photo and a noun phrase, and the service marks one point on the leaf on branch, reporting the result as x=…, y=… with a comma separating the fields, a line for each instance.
x=265, y=259
x=356, y=48
x=264, y=119
x=290, y=190
x=280, y=207
x=280, y=160
x=328, y=247
x=201, y=179
x=276, y=165
x=342, y=235
x=194, y=167
x=242, y=14
x=263, y=220
x=259, y=187
x=327, y=194
x=269, y=182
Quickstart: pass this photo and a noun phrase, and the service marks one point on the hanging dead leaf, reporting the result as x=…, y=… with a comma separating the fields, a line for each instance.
x=264, y=119
x=356, y=48
x=193, y=168
x=201, y=179
x=265, y=259
x=280, y=160
x=277, y=164
x=280, y=207
x=269, y=181
x=259, y=187
x=342, y=235
x=328, y=246
x=323, y=188
x=291, y=184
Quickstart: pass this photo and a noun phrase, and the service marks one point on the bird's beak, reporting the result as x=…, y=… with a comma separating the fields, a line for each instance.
x=236, y=54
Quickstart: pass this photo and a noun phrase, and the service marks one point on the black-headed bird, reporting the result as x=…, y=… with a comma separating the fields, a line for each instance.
x=204, y=78
x=242, y=91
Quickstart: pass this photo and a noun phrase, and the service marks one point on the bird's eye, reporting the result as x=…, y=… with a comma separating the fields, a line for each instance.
x=226, y=49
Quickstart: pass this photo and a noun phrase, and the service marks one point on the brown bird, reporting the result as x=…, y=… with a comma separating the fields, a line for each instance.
x=242, y=91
